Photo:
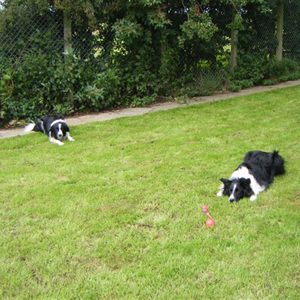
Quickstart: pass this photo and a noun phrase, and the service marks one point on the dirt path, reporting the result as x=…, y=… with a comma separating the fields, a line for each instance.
x=128, y=112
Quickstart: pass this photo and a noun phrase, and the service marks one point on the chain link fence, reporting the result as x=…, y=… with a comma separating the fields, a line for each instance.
x=35, y=79
x=291, y=37
x=45, y=33
x=36, y=34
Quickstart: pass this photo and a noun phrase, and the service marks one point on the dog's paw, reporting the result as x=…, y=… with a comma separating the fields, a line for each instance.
x=69, y=138
x=220, y=193
x=253, y=197
x=57, y=142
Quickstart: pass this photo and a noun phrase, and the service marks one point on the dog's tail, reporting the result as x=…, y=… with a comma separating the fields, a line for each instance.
x=278, y=163
x=29, y=127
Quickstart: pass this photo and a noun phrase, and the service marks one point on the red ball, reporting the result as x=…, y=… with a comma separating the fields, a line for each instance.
x=205, y=209
x=210, y=223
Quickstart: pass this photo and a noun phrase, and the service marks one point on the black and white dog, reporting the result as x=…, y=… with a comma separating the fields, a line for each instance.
x=253, y=176
x=55, y=127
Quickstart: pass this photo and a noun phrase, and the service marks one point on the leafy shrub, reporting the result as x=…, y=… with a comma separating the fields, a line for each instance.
x=270, y=81
x=39, y=85
x=252, y=71
x=200, y=26
x=244, y=84
x=147, y=100
x=169, y=69
x=135, y=81
x=250, y=68
x=234, y=87
x=108, y=84
x=283, y=70
x=202, y=84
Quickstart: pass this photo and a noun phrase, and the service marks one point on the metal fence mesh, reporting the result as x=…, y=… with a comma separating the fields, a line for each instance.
x=39, y=33
x=44, y=33
x=291, y=38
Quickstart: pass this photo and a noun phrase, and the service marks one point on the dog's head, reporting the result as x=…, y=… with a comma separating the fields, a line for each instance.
x=59, y=130
x=237, y=189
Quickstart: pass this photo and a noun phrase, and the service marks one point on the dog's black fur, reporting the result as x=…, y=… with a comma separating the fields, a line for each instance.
x=55, y=127
x=254, y=175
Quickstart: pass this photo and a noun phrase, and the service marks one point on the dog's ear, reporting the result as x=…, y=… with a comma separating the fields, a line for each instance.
x=224, y=180
x=245, y=182
x=226, y=186
x=65, y=127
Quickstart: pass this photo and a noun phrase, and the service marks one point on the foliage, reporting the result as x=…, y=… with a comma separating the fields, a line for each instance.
x=253, y=70
x=108, y=83
x=234, y=86
x=250, y=68
x=203, y=84
x=169, y=70
x=200, y=27
x=38, y=86
x=132, y=52
x=284, y=70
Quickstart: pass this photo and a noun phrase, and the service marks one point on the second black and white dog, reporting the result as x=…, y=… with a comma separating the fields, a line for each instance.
x=55, y=127
x=253, y=176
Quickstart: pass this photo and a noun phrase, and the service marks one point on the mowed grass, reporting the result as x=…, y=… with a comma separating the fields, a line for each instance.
x=117, y=214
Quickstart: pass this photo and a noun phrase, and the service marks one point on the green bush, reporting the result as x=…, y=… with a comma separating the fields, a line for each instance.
x=245, y=83
x=252, y=71
x=234, y=87
x=108, y=84
x=169, y=69
x=249, y=69
x=270, y=81
x=134, y=82
x=202, y=84
x=283, y=70
x=39, y=85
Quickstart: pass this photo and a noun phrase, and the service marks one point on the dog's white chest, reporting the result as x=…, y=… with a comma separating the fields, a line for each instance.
x=243, y=172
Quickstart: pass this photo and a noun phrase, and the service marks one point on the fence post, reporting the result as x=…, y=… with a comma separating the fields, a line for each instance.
x=68, y=46
x=234, y=43
x=279, y=30
x=67, y=33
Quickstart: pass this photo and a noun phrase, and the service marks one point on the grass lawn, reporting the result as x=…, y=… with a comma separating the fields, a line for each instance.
x=117, y=214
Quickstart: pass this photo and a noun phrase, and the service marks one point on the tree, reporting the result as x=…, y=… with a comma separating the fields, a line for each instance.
x=235, y=26
x=279, y=29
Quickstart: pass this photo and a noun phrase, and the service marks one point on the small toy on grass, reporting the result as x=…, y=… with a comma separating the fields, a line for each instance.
x=210, y=222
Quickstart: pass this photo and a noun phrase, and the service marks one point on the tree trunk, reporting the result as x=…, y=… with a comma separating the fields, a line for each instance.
x=279, y=30
x=234, y=46
x=68, y=47
x=67, y=33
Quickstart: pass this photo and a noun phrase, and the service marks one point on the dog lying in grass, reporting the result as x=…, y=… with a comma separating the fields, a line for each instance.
x=55, y=127
x=253, y=176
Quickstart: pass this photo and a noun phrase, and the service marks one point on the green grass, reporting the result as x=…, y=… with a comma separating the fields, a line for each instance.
x=117, y=214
